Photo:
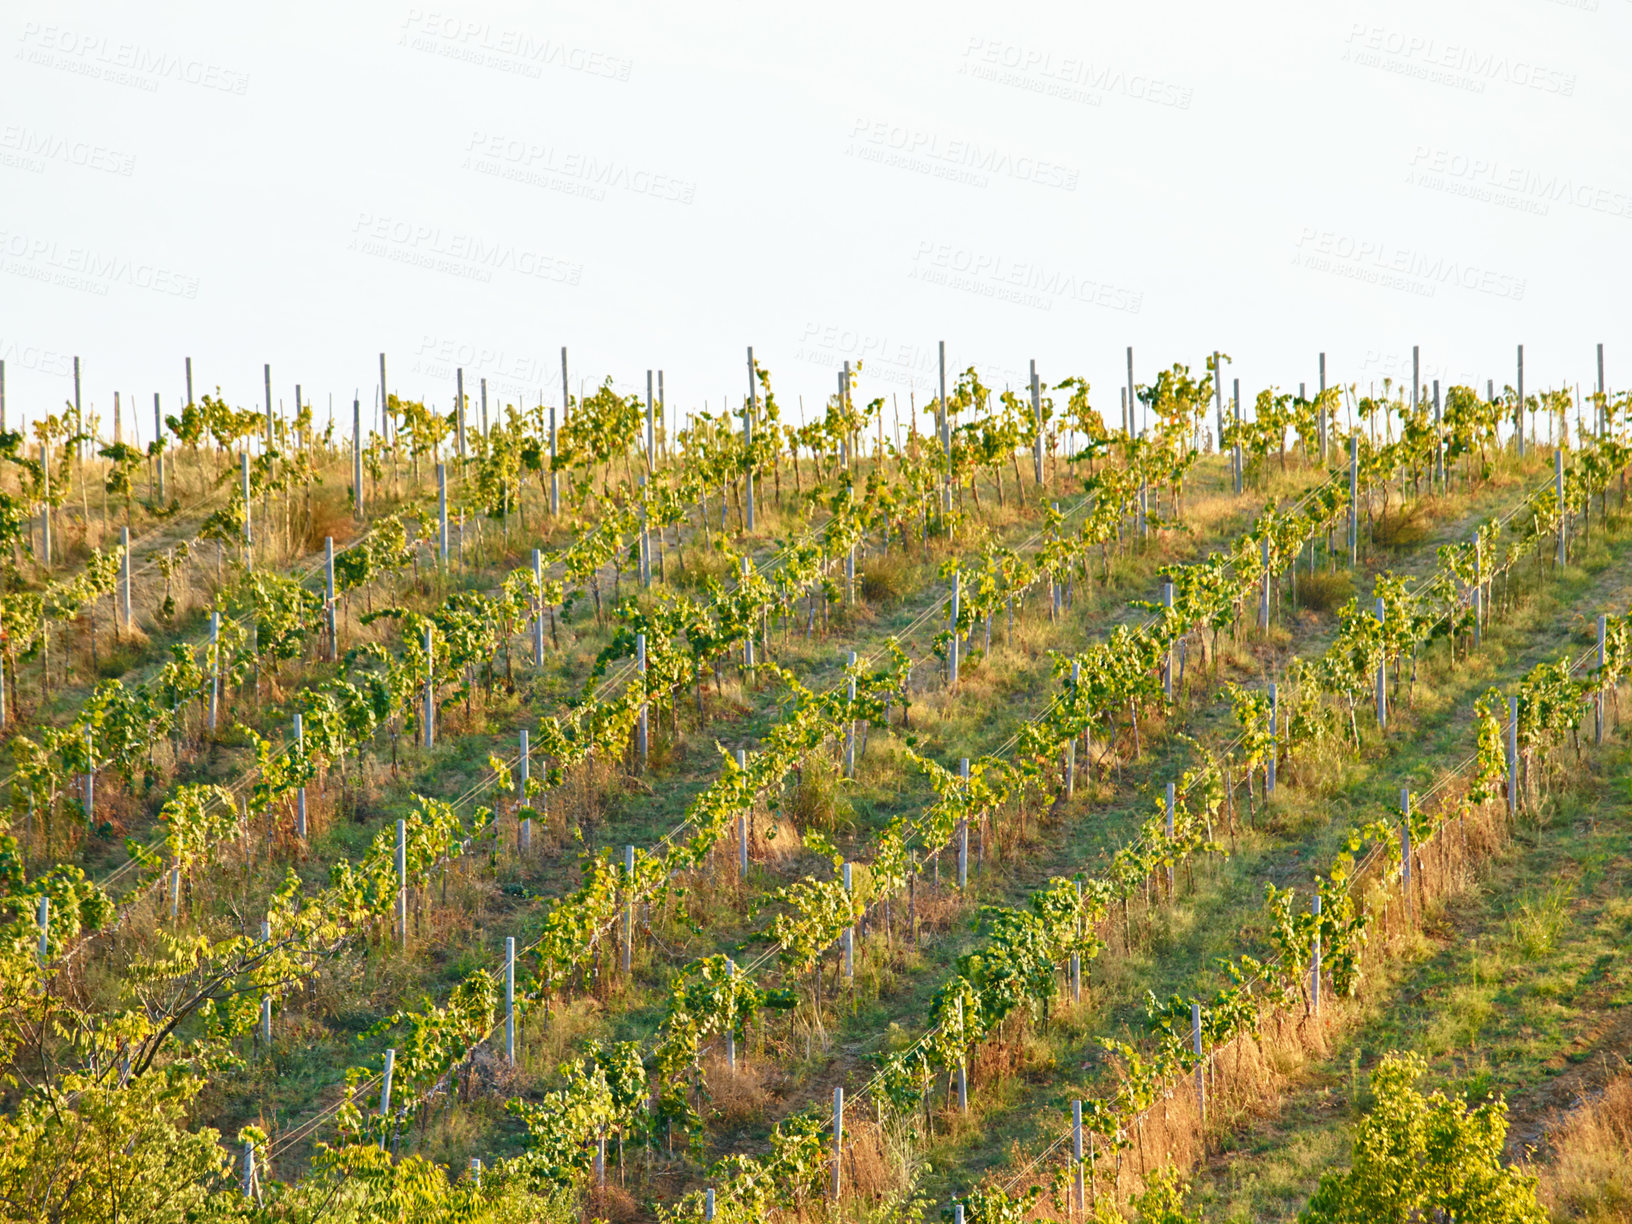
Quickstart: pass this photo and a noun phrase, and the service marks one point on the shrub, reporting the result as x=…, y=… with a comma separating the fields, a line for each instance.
x=818, y=799
x=1425, y=1158
x=1535, y=923
x=1400, y=528
x=884, y=579
x=1325, y=590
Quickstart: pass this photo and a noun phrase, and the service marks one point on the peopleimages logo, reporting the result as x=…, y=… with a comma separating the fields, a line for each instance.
x=905, y=147
x=504, y=50
x=1396, y=364
x=1448, y=63
x=1490, y=181
x=884, y=359
x=510, y=376
x=27, y=149
x=86, y=269
x=122, y=63
x=1072, y=78
x=1373, y=261
x=990, y=274
x=33, y=357
x=453, y=252
x=535, y=164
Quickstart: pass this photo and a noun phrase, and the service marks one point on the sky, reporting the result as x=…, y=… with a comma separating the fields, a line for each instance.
x=477, y=184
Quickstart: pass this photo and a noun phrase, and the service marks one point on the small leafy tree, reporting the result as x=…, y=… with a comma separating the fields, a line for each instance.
x=1425, y=1157
x=226, y=424
x=90, y=1149
x=126, y=460
x=1162, y=1200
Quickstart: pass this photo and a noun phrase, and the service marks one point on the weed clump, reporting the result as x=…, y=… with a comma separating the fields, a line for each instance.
x=885, y=579
x=1325, y=590
x=1402, y=529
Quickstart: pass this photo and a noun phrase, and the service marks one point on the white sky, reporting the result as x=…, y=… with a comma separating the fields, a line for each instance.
x=662, y=185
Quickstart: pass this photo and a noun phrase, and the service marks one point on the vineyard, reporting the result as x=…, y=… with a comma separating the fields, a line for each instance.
x=989, y=807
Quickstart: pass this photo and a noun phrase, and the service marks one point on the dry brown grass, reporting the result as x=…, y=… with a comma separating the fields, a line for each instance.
x=548, y=1039
x=738, y=1096
x=995, y=1061
x=884, y=579
x=611, y=1202
x=701, y=565
x=1325, y=590
x=772, y=841
x=330, y=517
x=878, y=1160
x=1243, y=1079
x=1399, y=529
x=1587, y=1174
x=939, y=908
x=486, y=1073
